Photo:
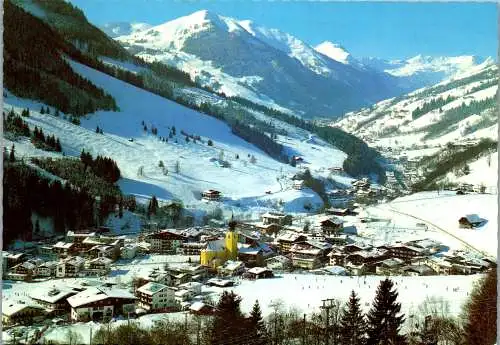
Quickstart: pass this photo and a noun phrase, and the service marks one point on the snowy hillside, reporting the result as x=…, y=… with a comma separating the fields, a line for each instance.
x=264, y=65
x=244, y=184
x=454, y=110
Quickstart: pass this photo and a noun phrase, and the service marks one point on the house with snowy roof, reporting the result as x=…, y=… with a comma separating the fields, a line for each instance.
x=287, y=239
x=309, y=254
x=70, y=267
x=156, y=297
x=165, y=242
x=47, y=269
x=231, y=268
x=258, y=273
x=471, y=221
x=98, y=266
x=279, y=262
x=21, y=312
x=22, y=271
x=391, y=266
x=63, y=249
x=276, y=218
x=254, y=254
x=98, y=303
x=200, y=308
x=54, y=299
x=330, y=225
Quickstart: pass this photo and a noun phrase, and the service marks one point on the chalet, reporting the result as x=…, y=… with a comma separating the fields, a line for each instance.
x=70, y=267
x=336, y=257
x=438, y=265
x=287, y=239
x=98, y=266
x=231, y=268
x=77, y=239
x=63, y=249
x=276, y=218
x=340, y=212
x=47, y=269
x=21, y=313
x=338, y=240
x=211, y=195
x=254, y=255
x=258, y=273
x=417, y=270
x=470, y=221
x=331, y=270
x=366, y=257
x=389, y=267
x=11, y=259
x=200, y=308
x=53, y=300
x=97, y=303
x=22, y=271
x=165, y=242
x=331, y=225
x=268, y=229
x=428, y=245
x=280, y=263
x=192, y=248
x=156, y=297
x=309, y=254
x=298, y=184
x=351, y=248
x=101, y=251
x=405, y=252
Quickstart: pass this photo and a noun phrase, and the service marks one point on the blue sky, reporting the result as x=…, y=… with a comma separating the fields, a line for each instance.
x=385, y=30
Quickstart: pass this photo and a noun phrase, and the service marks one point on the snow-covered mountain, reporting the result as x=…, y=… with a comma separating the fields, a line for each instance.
x=116, y=29
x=421, y=71
x=264, y=65
x=336, y=52
x=459, y=109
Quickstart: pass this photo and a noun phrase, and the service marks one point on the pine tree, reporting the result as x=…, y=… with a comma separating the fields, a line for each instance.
x=229, y=325
x=12, y=155
x=37, y=227
x=177, y=167
x=210, y=142
x=187, y=139
x=58, y=145
x=97, y=130
x=173, y=130
x=42, y=111
x=56, y=114
x=352, y=324
x=257, y=327
x=384, y=323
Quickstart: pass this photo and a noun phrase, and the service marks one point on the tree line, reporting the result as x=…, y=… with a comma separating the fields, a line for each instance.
x=449, y=120
x=26, y=191
x=436, y=103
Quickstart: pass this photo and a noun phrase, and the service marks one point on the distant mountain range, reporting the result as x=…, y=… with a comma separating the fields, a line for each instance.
x=276, y=69
x=116, y=29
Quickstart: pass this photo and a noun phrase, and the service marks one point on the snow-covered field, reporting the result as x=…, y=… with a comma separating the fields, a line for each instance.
x=443, y=210
x=302, y=293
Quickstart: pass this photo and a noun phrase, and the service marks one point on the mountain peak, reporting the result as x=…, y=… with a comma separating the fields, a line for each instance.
x=334, y=51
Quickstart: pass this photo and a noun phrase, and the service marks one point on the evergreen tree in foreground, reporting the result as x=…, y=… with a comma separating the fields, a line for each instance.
x=153, y=206
x=384, y=319
x=257, y=326
x=353, y=324
x=229, y=325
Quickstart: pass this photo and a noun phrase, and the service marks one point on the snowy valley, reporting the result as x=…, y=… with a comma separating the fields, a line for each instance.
x=153, y=170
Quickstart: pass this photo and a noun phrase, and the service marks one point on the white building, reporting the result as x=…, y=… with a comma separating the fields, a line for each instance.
x=129, y=251
x=154, y=296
